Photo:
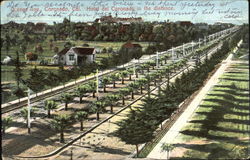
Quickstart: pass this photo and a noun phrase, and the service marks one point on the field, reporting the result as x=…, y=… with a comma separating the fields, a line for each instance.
x=220, y=126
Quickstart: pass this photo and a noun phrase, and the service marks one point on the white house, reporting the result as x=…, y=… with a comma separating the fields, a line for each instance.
x=75, y=56
x=7, y=60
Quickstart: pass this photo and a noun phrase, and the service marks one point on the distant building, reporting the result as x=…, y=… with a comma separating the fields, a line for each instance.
x=202, y=26
x=223, y=25
x=131, y=47
x=7, y=60
x=110, y=19
x=29, y=56
x=75, y=56
x=40, y=27
x=185, y=23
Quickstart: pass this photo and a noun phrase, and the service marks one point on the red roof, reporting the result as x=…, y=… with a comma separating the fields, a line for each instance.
x=78, y=50
x=131, y=45
x=64, y=51
x=84, y=51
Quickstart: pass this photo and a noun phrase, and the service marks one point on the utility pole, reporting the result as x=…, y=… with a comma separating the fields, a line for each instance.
x=192, y=46
x=199, y=43
x=29, y=131
x=157, y=59
x=97, y=85
x=134, y=66
x=173, y=53
x=183, y=49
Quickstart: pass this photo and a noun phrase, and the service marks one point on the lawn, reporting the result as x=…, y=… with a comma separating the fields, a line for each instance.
x=219, y=128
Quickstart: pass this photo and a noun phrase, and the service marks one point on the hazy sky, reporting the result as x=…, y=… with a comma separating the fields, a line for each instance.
x=232, y=11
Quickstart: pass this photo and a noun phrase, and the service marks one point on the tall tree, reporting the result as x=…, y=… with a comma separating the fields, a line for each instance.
x=7, y=43
x=36, y=80
x=51, y=79
x=18, y=70
x=134, y=130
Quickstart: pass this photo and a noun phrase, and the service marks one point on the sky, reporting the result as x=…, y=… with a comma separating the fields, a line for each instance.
x=228, y=11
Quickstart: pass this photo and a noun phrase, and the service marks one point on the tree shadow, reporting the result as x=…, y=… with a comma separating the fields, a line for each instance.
x=228, y=86
x=235, y=79
x=234, y=72
x=226, y=91
x=110, y=150
x=39, y=136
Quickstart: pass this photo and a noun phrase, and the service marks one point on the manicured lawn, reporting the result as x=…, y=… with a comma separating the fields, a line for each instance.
x=220, y=126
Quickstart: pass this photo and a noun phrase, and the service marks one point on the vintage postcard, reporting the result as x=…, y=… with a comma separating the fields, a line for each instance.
x=125, y=79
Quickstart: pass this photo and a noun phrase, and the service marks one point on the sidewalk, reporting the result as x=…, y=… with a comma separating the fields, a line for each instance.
x=177, y=126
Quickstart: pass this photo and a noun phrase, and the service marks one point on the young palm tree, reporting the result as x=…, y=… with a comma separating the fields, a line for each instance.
x=141, y=83
x=145, y=66
x=66, y=98
x=112, y=99
x=92, y=87
x=98, y=107
x=152, y=64
x=80, y=91
x=105, y=81
x=123, y=74
x=137, y=69
x=167, y=147
x=133, y=86
x=6, y=121
x=81, y=116
x=154, y=76
x=50, y=105
x=130, y=72
x=59, y=123
x=114, y=77
x=124, y=92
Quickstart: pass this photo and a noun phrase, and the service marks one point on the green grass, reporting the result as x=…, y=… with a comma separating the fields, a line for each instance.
x=222, y=119
x=242, y=51
x=7, y=73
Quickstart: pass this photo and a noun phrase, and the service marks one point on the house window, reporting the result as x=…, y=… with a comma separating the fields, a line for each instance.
x=71, y=57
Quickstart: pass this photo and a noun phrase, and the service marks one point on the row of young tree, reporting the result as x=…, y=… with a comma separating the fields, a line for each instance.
x=142, y=122
x=100, y=105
